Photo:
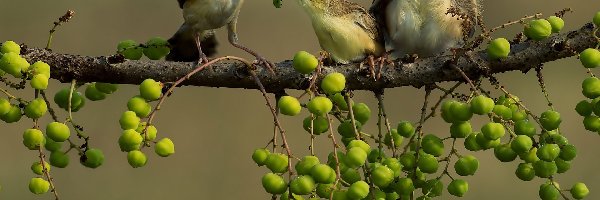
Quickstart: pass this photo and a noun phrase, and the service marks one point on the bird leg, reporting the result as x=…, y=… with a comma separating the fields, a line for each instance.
x=233, y=39
x=370, y=60
x=202, y=56
x=384, y=60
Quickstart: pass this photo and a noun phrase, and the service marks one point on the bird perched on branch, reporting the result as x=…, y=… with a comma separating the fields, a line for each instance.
x=195, y=38
x=344, y=29
x=426, y=27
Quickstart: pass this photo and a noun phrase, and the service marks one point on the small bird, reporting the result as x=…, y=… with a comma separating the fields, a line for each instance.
x=426, y=27
x=344, y=29
x=201, y=18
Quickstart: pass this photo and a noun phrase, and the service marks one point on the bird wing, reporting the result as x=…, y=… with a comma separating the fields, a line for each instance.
x=362, y=18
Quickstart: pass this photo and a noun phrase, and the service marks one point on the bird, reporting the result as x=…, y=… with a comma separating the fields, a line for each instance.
x=195, y=39
x=426, y=27
x=345, y=30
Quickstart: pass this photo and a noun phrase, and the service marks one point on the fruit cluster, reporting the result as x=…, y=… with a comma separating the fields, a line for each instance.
x=590, y=87
x=155, y=49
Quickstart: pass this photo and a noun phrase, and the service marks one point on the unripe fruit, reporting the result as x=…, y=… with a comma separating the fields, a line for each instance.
x=304, y=166
x=129, y=120
x=362, y=113
x=471, y=142
x=38, y=186
x=289, y=105
x=548, y=152
x=51, y=145
x=13, y=64
x=394, y=165
x=590, y=58
x=568, y=152
x=525, y=127
x=139, y=105
x=277, y=162
x=340, y=195
x=433, y=145
x=580, y=190
x=433, y=188
x=406, y=129
x=61, y=98
x=458, y=187
x=504, y=153
x=544, y=169
x=557, y=23
x=324, y=190
x=339, y=101
x=39, y=82
x=404, y=186
x=57, y=131
x=482, y=105
x=93, y=158
x=321, y=173
x=548, y=192
x=361, y=144
x=150, y=89
x=460, y=111
x=498, y=48
x=358, y=190
x=4, y=106
x=274, y=184
x=466, y=165
x=38, y=169
x=562, y=166
x=493, y=131
x=164, y=147
x=302, y=185
x=355, y=157
x=151, y=131
x=130, y=140
x=350, y=175
x=10, y=46
x=376, y=156
x=591, y=87
x=584, y=108
x=382, y=176
x=530, y=156
x=521, y=144
x=40, y=67
x=320, y=106
x=36, y=108
x=445, y=109
x=525, y=172
x=33, y=139
x=345, y=128
x=460, y=129
x=538, y=29
x=427, y=163
x=397, y=139
x=156, y=48
x=107, y=88
x=59, y=159
x=502, y=112
x=486, y=143
x=320, y=124
x=94, y=94
x=260, y=156
x=136, y=159
x=305, y=62
x=130, y=49
x=408, y=161
x=333, y=83
x=596, y=19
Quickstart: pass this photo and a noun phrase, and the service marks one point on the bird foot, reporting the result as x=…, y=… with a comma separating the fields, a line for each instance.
x=378, y=63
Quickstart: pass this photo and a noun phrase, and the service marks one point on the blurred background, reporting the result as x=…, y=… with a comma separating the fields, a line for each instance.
x=215, y=130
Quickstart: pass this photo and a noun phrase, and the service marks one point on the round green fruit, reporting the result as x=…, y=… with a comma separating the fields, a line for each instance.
x=548, y=192
x=550, y=120
x=362, y=113
x=302, y=185
x=151, y=131
x=433, y=145
x=471, y=142
x=408, y=161
x=404, y=186
x=57, y=131
x=13, y=64
x=460, y=129
x=427, y=163
x=10, y=46
x=322, y=173
x=61, y=98
x=502, y=112
x=150, y=89
x=498, y=48
x=164, y=147
x=277, y=162
x=525, y=127
x=36, y=108
x=59, y=159
x=289, y=105
x=596, y=19
x=92, y=158
x=33, y=139
x=260, y=156
x=557, y=23
x=94, y=94
x=525, y=172
x=458, y=187
x=580, y=190
x=38, y=169
x=433, y=188
x=38, y=186
x=156, y=48
x=584, y=108
x=136, y=159
x=504, y=153
x=359, y=143
x=324, y=190
x=493, y=131
x=568, y=152
x=130, y=49
x=538, y=29
x=107, y=88
x=304, y=166
x=305, y=62
x=339, y=101
x=355, y=157
x=590, y=58
x=358, y=190
x=482, y=105
x=4, y=106
x=350, y=175
x=333, y=83
x=562, y=166
x=382, y=176
x=274, y=184
x=530, y=156
x=320, y=124
x=130, y=140
x=51, y=145
x=466, y=165
x=548, y=152
x=460, y=111
x=129, y=120
x=40, y=67
x=405, y=129
x=320, y=106
x=139, y=105
x=394, y=137
x=39, y=82
x=521, y=144
x=590, y=87
x=544, y=169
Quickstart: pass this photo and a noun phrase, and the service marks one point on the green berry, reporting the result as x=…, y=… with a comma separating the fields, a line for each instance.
x=302, y=185
x=151, y=131
x=304, y=166
x=538, y=29
x=557, y=23
x=530, y=156
x=550, y=120
x=129, y=120
x=38, y=186
x=408, y=161
x=493, y=131
x=397, y=139
x=305, y=62
x=358, y=190
x=94, y=94
x=136, y=159
x=260, y=156
x=13, y=64
x=359, y=143
x=502, y=112
x=59, y=159
x=362, y=113
x=39, y=82
x=498, y=48
x=333, y=83
x=525, y=172
x=36, y=108
x=4, y=106
x=274, y=184
x=339, y=100
x=404, y=186
x=321, y=173
x=548, y=152
x=320, y=124
x=33, y=139
x=320, y=106
x=433, y=188
x=486, y=143
x=376, y=155
x=355, y=157
x=460, y=129
x=466, y=165
x=446, y=113
x=433, y=145
x=548, y=192
x=57, y=131
x=38, y=169
x=92, y=158
x=525, y=127
x=61, y=98
x=350, y=175
x=428, y=163
x=471, y=142
x=580, y=190
x=596, y=19
x=345, y=128
x=568, y=152
x=382, y=176
x=10, y=46
x=40, y=67
x=130, y=49
x=504, y=153
x=107, y=88
x=590, y=58
x=521, y=144
x=289, y=105
x=139, y=105
x=164, y=147
x=591, y=87
x=130, y=140
x=405, y=129
x=150, y=89
x=544, y=169
x=51, y=145
x=324, y=190
x=482, y=105
x=277, y=162
x=156, y=48
x=460, y=111
x=458, y=187
x=562, y=166
x=584, y=108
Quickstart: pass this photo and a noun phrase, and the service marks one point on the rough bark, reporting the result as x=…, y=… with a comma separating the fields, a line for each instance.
x=524, y=56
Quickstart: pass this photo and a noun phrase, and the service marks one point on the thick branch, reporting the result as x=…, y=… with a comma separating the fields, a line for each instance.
x=524, y=56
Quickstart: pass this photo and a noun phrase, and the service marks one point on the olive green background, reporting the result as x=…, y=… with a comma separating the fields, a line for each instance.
x=215, y=130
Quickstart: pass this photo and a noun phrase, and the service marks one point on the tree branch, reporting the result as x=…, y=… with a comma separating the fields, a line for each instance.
x=524, y=56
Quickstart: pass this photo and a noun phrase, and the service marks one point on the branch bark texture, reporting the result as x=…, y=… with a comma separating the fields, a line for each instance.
x=523, y=56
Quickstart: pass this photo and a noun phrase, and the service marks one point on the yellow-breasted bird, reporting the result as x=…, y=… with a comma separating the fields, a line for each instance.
x=344, y=29
x=426, y=27
x=201, y=17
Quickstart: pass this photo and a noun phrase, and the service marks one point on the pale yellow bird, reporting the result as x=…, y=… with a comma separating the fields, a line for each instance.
x=426, y=27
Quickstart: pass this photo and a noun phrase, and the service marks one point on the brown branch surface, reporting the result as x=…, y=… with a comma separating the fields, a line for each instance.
x=524, y=56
